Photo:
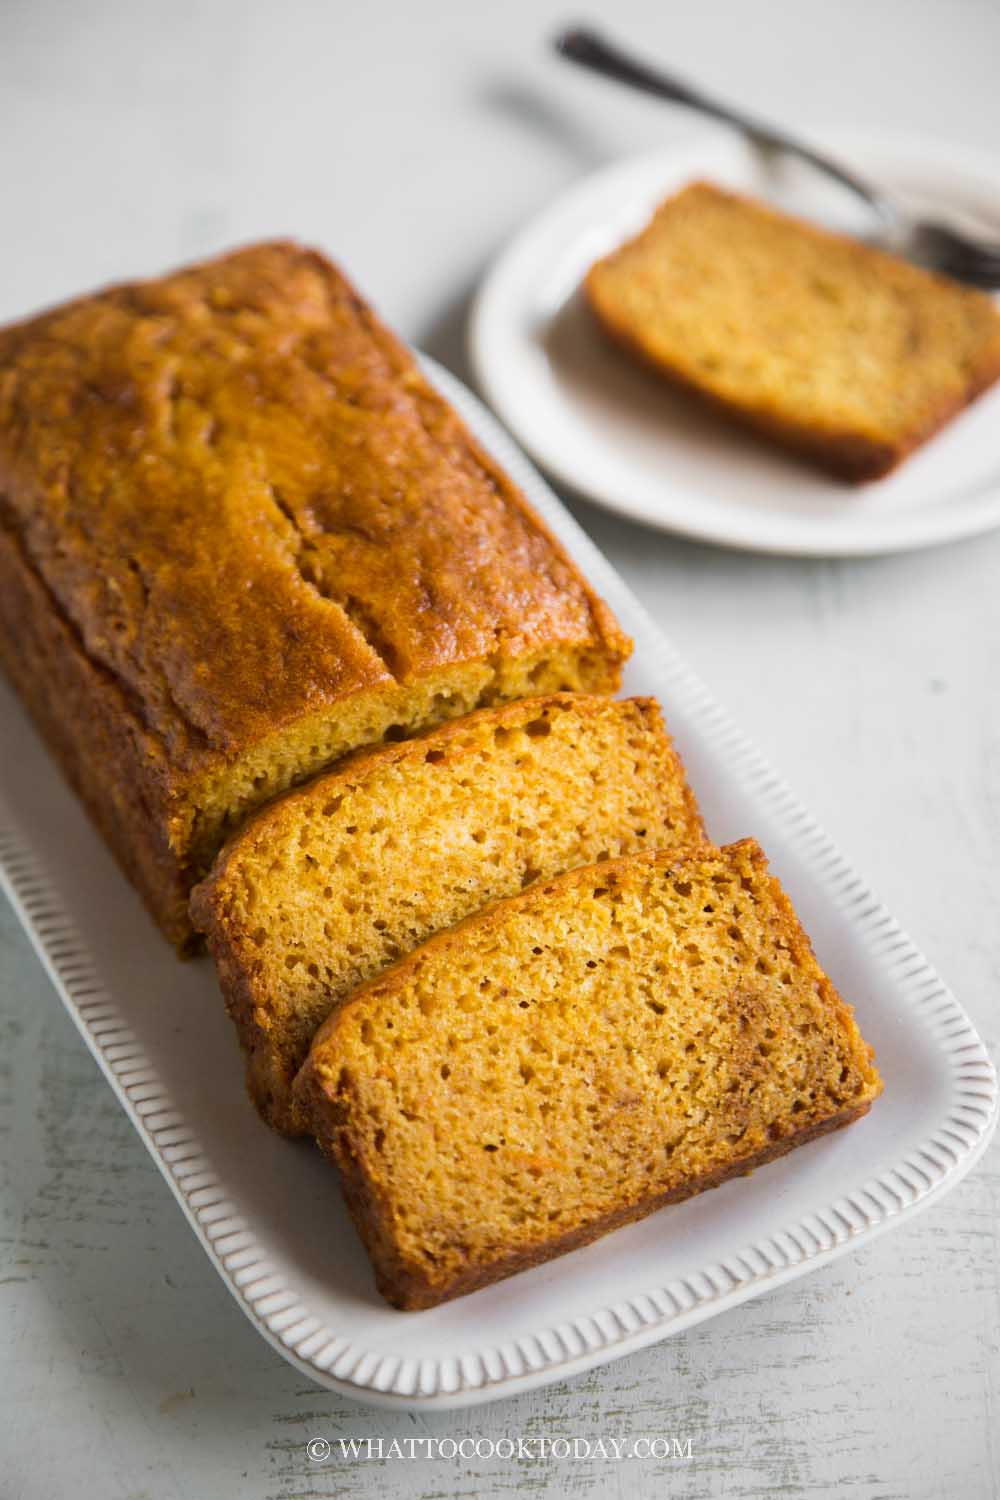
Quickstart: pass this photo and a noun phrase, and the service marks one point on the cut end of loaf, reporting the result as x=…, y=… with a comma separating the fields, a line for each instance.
x=223, y=800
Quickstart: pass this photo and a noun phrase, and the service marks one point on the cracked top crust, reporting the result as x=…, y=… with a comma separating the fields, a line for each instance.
x=248, y=503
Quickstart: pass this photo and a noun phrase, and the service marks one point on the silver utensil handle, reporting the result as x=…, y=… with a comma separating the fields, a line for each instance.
x=581, y=45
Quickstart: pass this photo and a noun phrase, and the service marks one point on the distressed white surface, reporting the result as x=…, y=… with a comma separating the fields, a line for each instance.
x=410, y=140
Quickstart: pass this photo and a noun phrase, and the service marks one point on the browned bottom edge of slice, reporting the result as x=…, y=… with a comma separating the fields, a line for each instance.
x=848, y=456
x=411, y=1293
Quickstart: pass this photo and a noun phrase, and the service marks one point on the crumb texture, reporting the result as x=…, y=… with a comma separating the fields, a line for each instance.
x=844, y=352
x=605, y=1042
x=342, y=877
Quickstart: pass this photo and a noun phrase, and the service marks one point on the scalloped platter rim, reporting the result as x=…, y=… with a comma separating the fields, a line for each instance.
x=268, y=1211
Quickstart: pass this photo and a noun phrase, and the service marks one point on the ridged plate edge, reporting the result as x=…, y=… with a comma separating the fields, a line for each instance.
x=939, y=1162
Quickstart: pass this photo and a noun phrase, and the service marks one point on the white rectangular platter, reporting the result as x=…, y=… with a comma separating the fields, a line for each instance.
x=268, y=1211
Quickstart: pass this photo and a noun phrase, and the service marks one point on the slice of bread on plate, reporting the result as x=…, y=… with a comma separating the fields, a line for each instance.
x=609, y=1041
x=845, y=354
x=335, y=881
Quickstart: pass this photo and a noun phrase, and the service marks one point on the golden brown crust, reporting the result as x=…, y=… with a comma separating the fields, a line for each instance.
x=112, y=765
x=252, y=514
x=849, y=453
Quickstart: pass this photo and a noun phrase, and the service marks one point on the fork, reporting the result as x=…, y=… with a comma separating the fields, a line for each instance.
x=929, y=242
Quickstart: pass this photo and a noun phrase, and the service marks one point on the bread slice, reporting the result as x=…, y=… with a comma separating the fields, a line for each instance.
x=839, y=351
x=610, y=1041
x=338, y=879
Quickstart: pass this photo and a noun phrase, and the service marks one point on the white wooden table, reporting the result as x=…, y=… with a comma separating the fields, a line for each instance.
x=409, y=140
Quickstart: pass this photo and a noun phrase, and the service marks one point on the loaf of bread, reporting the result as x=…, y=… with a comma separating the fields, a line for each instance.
x=555, y=1066
x=337, y=879
x=845, y=354
x=240, y=535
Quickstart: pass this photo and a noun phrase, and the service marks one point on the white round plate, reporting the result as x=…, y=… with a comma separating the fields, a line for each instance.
x=609, y=430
